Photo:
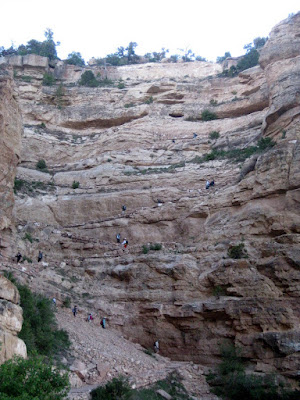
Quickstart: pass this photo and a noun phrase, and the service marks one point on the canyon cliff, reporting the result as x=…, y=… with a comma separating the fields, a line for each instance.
x=203, y=266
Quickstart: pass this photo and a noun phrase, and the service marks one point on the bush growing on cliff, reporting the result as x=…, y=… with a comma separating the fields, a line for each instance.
x=75, y=58
x=39, y=329
x=75, y=185
x=88, y=79
x=117, y=388
x=32, y=379
x=42, y=166
x=48, y=79
x=231, y=382
x=207, y=115
x=237, y=252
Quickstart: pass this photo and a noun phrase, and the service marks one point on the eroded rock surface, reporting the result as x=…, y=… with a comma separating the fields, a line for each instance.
x=11, y=319
x=144, y=146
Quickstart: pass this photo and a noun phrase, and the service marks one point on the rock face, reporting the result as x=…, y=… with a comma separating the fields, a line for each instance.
x=10, y=146
x=203, y=266
x=10, y=322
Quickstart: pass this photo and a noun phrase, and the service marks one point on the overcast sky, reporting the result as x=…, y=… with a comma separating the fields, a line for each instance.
x=97, y=28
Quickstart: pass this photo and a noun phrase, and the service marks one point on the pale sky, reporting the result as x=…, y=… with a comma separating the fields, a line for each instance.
x=97, y=28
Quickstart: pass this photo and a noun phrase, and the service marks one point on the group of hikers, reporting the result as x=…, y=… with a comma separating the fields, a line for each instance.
x=19, y=256
x=124, y=242
x=90, y=317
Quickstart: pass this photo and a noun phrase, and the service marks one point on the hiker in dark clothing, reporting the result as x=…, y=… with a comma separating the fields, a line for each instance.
x=118, y=238
x=40, y=256
x=195, y=135
x=212, y=183
x=18, y=256
x=74, y=311
x=103, y=323
x=173, y=140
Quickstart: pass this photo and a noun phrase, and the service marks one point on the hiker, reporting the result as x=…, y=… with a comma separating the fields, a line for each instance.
x=195, y=135
x=156, y=346
x=103, y=323
x=207, y=185
x=40, y=256
x=212, y=183
x=173, y=140
x=123, y=208
x=74, y=311
x=118, y=238
x=125, y=244
x=18, y=256
x=54, y=301
x=90, y=317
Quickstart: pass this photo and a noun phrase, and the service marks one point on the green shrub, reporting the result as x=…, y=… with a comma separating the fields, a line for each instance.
x=283, y=134
x=237, y=252
x=75, y=185
x=48, y=79
x=26, y=78
x=265, y=143
x=88, y=79
x=213, y=102
x=207, y=115
x=67, y=302
x=145, y=249
x=121, y=85
x=232, y=383
x=214, y=135
x=39, y=329
x=218, y=291
x=18, y=184
x=116, y=389
x=128, y=105
x=149, y=100
x=41, y=165
x=155, y=246
x=75, y=58
x=28, y=237
x=32, y=379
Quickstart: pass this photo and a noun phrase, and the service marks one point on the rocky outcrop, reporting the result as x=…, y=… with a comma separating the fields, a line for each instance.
x=10, y=147
x=10, y=322
x=203, y=266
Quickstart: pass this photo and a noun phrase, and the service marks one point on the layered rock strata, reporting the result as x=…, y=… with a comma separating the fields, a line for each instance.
x=11, y=320
x=144, y=146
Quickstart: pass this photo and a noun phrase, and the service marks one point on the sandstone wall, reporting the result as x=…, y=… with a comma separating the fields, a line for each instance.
x=10, y=322
x=136, y=146
x=10, y=147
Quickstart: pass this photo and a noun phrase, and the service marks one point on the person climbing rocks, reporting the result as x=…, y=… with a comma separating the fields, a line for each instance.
x=123, y=208
x=125, y=244
x=103, y=323
x=40, y=256
x=173, y=140
x=212, y=183
x=118, y=238
x=156, y=346
x=54, y=301
x=18, y=257
x=207, y=185
x=74, y=311
x=90, y=317
x=195, y=135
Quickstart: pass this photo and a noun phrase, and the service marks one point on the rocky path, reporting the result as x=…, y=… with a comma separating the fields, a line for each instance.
x=98, y=355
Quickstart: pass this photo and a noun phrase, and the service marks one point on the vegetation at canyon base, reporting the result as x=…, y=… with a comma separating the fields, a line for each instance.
x=231, y=382
x=119, y=388
x=32, y=379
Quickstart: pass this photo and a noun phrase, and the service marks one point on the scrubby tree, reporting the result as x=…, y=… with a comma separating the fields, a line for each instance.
x=32, y=379
x=75, y=58
x=47, y=48
x=223, y=58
